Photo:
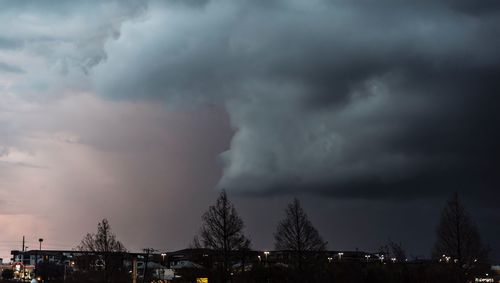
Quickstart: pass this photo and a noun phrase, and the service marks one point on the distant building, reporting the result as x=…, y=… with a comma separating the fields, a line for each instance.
x=25, y=262
x=163, y=265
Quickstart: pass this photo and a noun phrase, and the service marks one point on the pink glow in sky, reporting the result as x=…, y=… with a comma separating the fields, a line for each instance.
x=70, y=163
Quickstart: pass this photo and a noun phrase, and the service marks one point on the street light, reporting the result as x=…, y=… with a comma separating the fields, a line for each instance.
x=163, y=257
x=40, y=240
x=340, y=255
x=330, y=259
x=266, y=253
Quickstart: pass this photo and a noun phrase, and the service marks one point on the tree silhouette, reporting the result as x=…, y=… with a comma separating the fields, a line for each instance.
x=103, y=241
x=394, y=251
x=222, y=230
x=458, y=239
x=397, y=251
x=297, y=234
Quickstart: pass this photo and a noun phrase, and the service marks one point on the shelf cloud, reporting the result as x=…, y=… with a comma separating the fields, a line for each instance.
x=338, y=98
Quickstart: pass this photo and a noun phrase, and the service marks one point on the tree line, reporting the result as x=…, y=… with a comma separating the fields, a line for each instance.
x=457, y=237
x=458, y=242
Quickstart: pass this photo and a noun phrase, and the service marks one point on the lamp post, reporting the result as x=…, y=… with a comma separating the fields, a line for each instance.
x=340, y=255
x=23, y=260
x=40, y=240
x=266, y=253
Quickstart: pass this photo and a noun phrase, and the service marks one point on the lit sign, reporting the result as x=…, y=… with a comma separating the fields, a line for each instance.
x=18, y=265
x=201, y=280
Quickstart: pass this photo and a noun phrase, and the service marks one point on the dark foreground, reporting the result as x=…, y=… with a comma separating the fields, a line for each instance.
x=428, y=272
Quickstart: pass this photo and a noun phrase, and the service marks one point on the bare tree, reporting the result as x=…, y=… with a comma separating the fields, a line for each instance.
x=397, y=251
x=222, y=230
x=296, y=233
x=195, y=243
x=105, y=244
x=458, y=239
x=394, y=250
x=103, y=241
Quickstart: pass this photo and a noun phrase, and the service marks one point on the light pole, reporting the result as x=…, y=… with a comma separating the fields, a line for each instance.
x=40, y=240
x=266, y=253
x=23, y=260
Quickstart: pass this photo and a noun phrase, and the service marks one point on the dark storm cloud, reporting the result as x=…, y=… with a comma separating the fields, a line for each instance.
x=360, y=99
x=356, y=105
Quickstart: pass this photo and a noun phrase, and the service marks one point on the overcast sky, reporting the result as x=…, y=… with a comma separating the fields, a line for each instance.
x=371, y=112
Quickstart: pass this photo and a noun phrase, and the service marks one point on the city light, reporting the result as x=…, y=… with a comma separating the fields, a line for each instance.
x=340, y=255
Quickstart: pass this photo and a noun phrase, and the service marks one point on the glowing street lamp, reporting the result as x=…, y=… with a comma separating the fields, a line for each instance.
x=266, y=253
x=163, y=257
x=340, y=255
x=330, y=259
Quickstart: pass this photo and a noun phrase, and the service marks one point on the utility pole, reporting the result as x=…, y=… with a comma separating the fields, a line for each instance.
x=147, y=251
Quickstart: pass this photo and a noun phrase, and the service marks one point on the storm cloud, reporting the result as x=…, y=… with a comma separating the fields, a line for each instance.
x=139, y=111
x=368, y=99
